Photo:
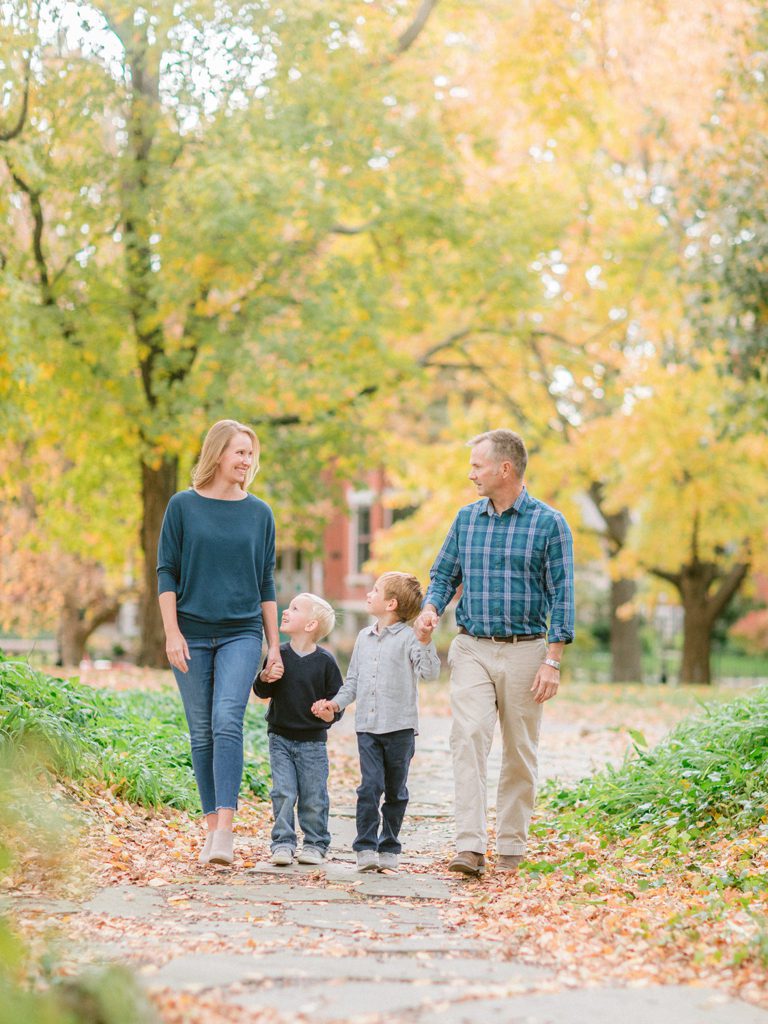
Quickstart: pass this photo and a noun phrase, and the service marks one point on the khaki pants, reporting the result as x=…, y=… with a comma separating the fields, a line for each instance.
x=489, y=678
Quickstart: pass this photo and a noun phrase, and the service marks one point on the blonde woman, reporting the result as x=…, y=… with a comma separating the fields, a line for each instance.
x=215, y=568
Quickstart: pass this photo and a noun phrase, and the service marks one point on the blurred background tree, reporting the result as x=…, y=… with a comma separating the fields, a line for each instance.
x=372, y=230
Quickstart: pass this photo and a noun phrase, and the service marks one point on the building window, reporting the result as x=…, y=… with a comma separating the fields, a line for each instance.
x=362, y=538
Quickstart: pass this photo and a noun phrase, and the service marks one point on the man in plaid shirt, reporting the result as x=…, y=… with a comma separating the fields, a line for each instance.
x=513, y=557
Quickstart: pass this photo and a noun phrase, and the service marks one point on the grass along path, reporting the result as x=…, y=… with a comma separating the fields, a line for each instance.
x=587, y=911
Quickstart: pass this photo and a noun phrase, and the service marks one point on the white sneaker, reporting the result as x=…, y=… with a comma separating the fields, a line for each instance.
x=282, y=855
x=310, y=855
x=367, y=860
x=389, y=861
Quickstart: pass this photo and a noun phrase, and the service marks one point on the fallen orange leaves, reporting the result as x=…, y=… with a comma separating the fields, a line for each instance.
x=687, y=929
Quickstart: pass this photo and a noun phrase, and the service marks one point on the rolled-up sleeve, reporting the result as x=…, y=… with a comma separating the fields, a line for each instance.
x=169, y=551
x=445, y=574
x=425, y=660
x=559, y=582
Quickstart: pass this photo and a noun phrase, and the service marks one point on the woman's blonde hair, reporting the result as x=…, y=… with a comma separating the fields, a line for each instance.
x=216, y=440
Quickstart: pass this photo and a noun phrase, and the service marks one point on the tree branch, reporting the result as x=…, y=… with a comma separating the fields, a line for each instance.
x=6, y=134
x=671, y=577
x=38, y=224
x=349, y=229
x=727, y=589
x=408, y=38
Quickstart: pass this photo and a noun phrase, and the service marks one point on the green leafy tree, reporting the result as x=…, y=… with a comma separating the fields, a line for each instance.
x=203, y=205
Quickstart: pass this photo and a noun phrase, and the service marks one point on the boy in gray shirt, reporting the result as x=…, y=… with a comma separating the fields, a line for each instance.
x=387, y=661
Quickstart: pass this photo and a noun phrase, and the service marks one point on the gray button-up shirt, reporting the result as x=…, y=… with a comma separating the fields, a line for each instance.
x=383, y=678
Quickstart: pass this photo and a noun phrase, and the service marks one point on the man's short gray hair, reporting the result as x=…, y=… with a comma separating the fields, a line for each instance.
x=506, y=446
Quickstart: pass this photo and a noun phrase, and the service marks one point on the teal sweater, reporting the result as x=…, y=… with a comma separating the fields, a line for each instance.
x=218, y=557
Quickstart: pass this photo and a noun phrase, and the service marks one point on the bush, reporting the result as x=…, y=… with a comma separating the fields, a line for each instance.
x=708, y=774
x=136, y=742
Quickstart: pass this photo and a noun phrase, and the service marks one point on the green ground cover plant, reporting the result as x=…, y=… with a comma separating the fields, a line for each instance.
x=136, y=742
x=708, y=776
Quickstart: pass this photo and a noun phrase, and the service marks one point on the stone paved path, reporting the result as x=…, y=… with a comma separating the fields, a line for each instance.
x=333, y=945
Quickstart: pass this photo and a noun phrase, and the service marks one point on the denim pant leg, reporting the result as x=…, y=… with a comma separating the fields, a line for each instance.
x=236, y=663
x=399, y=748
x=285, y=790
x=312, y=772
x=369, y=791
x=196, y=689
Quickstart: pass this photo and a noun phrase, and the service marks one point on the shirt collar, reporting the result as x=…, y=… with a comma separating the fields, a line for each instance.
x=520, y=504
x=394, y=628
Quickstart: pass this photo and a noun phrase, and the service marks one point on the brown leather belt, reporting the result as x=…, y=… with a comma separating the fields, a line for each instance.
x=516, y=638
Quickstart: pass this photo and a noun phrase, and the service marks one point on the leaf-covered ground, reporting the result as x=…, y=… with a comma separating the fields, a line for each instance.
x=594, y=911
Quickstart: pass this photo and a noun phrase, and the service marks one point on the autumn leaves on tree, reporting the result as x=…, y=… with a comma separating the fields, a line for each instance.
x=373, y=232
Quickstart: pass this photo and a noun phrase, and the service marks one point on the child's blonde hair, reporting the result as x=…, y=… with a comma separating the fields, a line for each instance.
x=406, y=589
x=322, y=611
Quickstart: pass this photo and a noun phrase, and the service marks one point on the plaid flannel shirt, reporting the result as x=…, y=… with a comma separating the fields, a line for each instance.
x=516, y=570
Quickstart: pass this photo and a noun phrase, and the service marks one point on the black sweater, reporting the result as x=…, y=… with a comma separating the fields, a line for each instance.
x=314, y=676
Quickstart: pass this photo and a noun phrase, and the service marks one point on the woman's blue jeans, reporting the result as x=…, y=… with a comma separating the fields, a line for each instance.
x=215, y=694
x=299, y=777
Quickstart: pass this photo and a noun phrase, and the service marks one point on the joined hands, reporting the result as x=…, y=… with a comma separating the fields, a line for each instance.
x=425, y=625
x=324, y=709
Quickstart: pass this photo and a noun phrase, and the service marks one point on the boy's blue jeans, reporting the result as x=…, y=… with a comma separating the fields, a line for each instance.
x=384, y=762
x=215, y=694
x=299, y=776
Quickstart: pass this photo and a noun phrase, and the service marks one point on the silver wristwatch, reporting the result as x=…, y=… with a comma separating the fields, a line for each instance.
x=552, y=663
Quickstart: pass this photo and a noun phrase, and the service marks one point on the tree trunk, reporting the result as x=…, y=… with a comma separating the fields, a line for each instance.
x=158, y=485
x=626, y=651
x=702, y=609
x=80, y=616
x=697, y=642
x=626, y=659
x=71, y=635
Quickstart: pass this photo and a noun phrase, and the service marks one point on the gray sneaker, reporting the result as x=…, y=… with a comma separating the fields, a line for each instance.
x=367, y=860
x=282, y=856
x=389, y=861
x=310, y=855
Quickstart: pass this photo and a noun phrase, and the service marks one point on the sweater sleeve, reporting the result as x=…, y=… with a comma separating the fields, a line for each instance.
x=169, y=550
x=333, y=682
x=267, y=588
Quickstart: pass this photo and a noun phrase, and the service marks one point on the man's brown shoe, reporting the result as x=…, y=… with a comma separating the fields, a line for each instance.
x=508, y=861
x=468, y=863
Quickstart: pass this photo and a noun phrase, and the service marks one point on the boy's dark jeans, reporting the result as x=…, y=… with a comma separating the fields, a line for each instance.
x=384, y=762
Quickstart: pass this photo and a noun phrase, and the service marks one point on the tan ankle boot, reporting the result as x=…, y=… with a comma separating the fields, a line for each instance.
x=222, y=847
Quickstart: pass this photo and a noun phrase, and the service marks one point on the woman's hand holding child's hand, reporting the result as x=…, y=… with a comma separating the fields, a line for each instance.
x=272, y=673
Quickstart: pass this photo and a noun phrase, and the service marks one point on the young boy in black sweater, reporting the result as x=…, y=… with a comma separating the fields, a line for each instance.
x=297, y=740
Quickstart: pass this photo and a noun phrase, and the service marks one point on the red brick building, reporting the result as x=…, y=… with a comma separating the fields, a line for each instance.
x=339, y=575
